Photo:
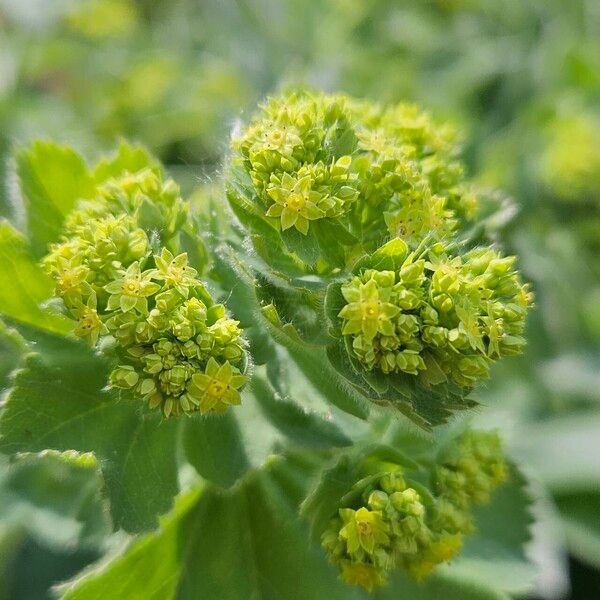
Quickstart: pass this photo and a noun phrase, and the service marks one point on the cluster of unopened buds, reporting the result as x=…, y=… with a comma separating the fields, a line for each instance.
x=453, y=314
x=398, y=526
x=178, y=349
x=314, y=156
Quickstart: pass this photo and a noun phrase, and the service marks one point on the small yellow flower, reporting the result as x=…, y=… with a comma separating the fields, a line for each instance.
x=131, y=290
x=217, y=388
x=295, y=202
x=365, y=575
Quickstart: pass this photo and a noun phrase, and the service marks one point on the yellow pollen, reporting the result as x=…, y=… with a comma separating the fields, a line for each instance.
x=364, y=528
x=175, y=273
x=66, y=281
x=296, y=202
x=371, y=309
x=132, y=286
x=216, y=389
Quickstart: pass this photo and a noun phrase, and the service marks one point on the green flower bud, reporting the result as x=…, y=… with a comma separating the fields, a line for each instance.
x=392, y=482
x=474, y=467
x=378, y=500
x=167, y=301
x=124, y=377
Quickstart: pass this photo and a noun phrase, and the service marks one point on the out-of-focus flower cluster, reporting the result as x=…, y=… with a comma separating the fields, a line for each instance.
x=396, y=526
x=388, y=169
x=446, y=314
x=118, y=279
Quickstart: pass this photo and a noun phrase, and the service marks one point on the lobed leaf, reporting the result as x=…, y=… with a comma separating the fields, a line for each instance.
x=23, y=284
x=59, y=401
x=52, y=178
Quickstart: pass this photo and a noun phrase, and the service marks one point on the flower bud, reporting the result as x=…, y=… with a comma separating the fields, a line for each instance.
x=124, y=377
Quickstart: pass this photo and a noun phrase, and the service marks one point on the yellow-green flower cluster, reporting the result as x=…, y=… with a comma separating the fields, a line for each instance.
x=313, y=156
x=571, y=162
x=396, y=527
x=285, y=153
x=471, y=469
x=452, y=315
x=176, y=347
x=570, y=171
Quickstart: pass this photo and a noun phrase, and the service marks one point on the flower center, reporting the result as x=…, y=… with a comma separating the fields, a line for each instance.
x=89, y=321
x=67, y=281
x=175, y=273
x=371, y=310
x=131, y=287
x=276, y=137
x=216, y=389
x=364, y=528
x=296, y=202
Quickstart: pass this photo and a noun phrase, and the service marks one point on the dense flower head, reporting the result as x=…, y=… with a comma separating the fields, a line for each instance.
x=570, y=172
x=571, y=162
x=394, y=526
x=382, y=170
x=176, y=347
x=472, y=468
x=454, y=314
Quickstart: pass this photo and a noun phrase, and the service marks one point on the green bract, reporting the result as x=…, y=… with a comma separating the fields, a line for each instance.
x=168, y=332
x=384, y=523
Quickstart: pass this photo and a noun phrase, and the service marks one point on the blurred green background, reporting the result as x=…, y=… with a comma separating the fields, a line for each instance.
x=519, y=78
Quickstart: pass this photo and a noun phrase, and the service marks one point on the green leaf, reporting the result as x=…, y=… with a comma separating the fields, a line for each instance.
x=388, y=257
x=55, y=497
x=312, y=360
x=334, y=302
x=245, y=543
x=128, y=158
x=52, y=178
x=301, y=429
x=23, y=284
x=563, y=451
x=332, y=238
x=322, y=503
x=59, y=401
x=444, y=584
x=306, y=247
x=581, y=522
x=223, y=448
x=214, y=446
x=12, y=347
x=245, y=205
x=495, y=554
x=341, y=142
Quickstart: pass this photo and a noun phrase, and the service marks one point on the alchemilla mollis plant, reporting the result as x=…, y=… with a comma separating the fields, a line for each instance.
x=290, y=359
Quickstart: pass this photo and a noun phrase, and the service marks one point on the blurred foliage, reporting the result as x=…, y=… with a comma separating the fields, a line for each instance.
x=520, y=78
